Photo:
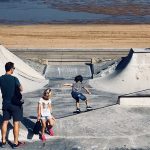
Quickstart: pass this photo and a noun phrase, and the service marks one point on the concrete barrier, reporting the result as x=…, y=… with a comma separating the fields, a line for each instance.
x=142, y=101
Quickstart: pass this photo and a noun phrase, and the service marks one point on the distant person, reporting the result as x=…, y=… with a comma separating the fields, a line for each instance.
x=45, y=113
x=7, y=85
x=77, y=92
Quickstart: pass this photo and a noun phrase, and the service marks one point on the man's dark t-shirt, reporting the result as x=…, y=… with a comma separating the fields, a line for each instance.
x=7, y=85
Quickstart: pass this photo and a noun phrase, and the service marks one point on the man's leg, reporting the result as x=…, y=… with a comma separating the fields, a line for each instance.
x=16, y=131
x=4, y=130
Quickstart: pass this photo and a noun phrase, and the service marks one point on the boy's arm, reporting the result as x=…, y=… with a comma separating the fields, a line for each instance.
x=68, y=84
x=87, y=90
x=39, y=111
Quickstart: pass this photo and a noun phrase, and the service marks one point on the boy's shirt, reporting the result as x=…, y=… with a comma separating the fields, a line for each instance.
x=77, y=87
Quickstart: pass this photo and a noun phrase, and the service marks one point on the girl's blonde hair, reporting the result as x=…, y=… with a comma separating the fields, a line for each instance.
x=46, y=94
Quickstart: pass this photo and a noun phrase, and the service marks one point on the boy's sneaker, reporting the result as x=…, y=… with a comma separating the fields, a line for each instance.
x=15, y=146
x=43, y=138
x=78, y=110
x=88, y=108
x=3, y=145
x=51, y=132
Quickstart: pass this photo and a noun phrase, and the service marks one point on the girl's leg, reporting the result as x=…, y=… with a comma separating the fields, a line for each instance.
x=43, y=130
x=51, y=123
x=43, y=126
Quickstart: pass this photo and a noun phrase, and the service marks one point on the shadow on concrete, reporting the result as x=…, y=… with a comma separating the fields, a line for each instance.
x=125, y=61
x=73, y=113
x=25, y=121
x=129, y=148
x=29, y=126
x=10, y=126
x=33, y=117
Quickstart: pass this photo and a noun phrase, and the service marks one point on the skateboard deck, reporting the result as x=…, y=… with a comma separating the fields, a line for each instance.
x=83, y=111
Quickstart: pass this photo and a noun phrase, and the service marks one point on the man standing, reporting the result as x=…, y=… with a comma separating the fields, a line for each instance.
x=7, y=85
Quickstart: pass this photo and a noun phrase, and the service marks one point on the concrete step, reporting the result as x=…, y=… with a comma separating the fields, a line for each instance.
x=69, y=53
x=68, y=61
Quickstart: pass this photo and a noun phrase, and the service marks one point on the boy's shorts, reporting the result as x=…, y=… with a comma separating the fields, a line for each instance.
x=78, y=96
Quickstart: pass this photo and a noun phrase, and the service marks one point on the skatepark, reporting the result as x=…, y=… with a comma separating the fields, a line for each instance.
x=110, y=126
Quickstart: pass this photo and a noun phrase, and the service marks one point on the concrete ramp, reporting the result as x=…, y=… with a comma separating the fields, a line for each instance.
x=67, y=71
x=29, y=78
x=131, y=74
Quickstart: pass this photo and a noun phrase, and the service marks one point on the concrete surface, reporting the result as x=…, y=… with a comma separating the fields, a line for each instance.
x=108, y=127
x=131, y=74
x=67, y=71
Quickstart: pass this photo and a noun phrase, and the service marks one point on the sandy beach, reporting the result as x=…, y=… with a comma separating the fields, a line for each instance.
x=75, y=36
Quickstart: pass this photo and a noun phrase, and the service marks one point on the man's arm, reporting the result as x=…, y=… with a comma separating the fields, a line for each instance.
x=21, y=88
x=19, y=85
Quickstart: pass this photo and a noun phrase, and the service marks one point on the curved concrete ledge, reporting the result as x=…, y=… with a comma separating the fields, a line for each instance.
x=30, y=79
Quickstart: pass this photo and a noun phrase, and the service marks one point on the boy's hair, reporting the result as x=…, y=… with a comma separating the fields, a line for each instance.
x=9, y=66
x=78, y=78
x=45, y=96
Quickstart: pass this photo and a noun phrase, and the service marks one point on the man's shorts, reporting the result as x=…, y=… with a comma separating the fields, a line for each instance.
x=78, y=96
x=12, y=111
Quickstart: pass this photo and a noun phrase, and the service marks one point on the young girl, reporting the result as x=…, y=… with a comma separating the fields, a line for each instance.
x=77, y=92
x=44, y=113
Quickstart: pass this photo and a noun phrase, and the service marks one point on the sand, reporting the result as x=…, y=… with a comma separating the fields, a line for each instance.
x=75, y=36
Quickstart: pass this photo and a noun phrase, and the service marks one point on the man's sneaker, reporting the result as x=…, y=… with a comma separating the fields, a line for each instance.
x=43, y=138
x=78, y=110
x=3, y=145
x=15, y=146
x=51, y=132
x=89, y=108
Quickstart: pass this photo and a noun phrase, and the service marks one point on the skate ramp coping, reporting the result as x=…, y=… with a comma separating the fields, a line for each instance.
x=139, y=99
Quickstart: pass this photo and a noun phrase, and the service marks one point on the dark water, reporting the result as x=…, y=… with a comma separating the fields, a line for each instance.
x=75, y=11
